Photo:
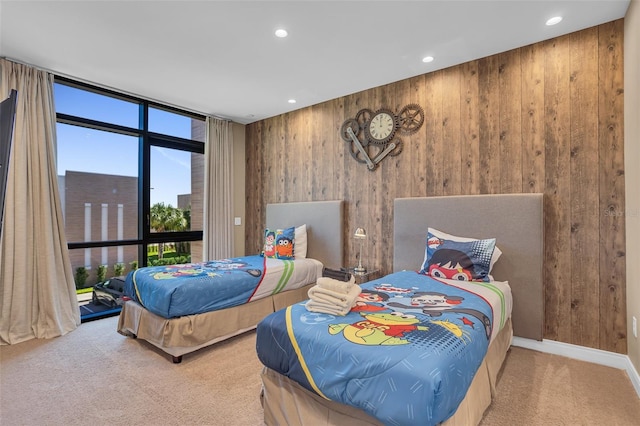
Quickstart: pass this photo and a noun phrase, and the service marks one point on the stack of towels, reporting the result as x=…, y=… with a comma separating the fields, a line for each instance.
x=331, y=296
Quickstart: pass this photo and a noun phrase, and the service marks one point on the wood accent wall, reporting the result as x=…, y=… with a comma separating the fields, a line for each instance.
x=547, y=118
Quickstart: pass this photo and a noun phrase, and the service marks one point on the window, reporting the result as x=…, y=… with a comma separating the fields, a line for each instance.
x=85, y=103
x=95, y=169
x=131, y=177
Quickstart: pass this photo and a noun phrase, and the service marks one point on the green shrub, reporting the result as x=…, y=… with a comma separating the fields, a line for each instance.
x=162, y=262
x=118, y=269
x=178, y=260
x=101, y=273
x=134, y=265
x=81, y=276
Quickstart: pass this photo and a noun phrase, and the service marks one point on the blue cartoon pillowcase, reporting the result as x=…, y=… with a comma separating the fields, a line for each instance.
x=458, y=258
x=279, y=243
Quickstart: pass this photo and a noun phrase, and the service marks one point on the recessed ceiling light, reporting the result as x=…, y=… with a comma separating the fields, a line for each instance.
x=427, y=59
x=292, y=101
x=554, y=20
x=281, y=32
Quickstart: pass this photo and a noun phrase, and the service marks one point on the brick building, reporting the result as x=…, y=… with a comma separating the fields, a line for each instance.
x=99, y=207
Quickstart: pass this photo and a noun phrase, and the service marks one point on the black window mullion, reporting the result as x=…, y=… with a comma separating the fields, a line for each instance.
x=99, y=244
x=144, y=183
x=95, y=124
x=173, y=142
x=172, y=237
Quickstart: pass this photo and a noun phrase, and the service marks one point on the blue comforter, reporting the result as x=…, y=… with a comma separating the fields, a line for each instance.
x=405, y=354
x=177, y=290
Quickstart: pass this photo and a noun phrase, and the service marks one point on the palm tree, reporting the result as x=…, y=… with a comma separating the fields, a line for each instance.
x=165, y=217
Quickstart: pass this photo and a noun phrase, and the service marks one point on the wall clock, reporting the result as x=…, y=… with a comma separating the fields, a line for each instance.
x=379, y=129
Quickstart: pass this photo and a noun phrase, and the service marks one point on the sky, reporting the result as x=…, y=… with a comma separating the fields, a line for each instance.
x=94, y=151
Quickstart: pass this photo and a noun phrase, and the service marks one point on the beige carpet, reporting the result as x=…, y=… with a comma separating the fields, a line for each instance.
x=95, y=376
x=539, y=389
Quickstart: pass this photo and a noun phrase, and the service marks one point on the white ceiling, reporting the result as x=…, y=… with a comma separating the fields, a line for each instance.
x=222, y=57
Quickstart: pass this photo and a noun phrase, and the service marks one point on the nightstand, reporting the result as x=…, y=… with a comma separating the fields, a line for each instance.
x=365, y=277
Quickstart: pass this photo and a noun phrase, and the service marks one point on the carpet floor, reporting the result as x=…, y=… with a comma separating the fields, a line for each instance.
x=96, y=376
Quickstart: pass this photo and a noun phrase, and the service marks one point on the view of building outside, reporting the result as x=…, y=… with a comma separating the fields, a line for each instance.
x=99, y=183
x=99, y=207
x=102, y=207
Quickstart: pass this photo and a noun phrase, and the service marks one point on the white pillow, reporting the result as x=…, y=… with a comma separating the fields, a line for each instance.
x=300, y=242
x=496, y=251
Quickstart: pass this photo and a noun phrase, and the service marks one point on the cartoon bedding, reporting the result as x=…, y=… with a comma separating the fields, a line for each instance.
x=178, y=290
x=406, y=353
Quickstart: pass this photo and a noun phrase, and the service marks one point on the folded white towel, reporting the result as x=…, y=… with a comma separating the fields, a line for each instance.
x=341, y=300
x=337, y=285
x=326, y=308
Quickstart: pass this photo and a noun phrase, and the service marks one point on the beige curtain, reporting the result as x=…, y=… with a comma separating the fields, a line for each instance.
x=218, y=190
x=36, y=279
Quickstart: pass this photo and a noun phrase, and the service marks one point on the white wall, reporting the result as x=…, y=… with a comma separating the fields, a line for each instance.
x=632, y=171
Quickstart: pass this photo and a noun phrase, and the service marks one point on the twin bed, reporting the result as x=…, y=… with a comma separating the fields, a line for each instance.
x=256, y=286
x=418, y=349
x=364, y=369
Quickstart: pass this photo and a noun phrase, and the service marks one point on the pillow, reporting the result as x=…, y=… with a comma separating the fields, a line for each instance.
x=300, y=251
x=458, y=258
x=444, y=236
x=278, y=243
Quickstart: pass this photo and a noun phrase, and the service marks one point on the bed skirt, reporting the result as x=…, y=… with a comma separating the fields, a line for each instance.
x=182, y=335
x=286, y=402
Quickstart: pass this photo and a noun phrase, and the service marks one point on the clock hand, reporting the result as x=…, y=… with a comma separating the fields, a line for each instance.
x=384, y=153
x=356, y=141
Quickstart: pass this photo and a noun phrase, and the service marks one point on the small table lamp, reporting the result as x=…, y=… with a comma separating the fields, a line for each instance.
x=361, y=235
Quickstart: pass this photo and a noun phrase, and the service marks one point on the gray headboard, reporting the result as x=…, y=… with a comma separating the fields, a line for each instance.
x=515, y=220
x=325, y=225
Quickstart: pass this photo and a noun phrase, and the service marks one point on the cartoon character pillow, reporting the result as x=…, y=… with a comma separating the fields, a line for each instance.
x=437, y=234
x=279, y=243
x=457, y=260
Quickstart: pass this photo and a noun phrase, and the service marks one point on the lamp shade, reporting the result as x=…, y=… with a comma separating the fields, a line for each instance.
x=360, y=234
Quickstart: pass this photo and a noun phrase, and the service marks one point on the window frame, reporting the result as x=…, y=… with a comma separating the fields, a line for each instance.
x=146, y=139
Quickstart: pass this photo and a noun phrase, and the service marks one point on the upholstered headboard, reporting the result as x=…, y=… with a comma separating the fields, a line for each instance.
x=325, y=225
x=515, y=220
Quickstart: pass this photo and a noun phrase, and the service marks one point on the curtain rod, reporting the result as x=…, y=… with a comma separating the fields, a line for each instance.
x=103, y=86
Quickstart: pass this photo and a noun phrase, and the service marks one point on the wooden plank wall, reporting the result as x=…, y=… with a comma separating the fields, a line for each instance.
x=542, y=118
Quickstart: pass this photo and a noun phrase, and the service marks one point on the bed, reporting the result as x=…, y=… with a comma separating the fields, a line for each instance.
x=171, y=327
x=295, y=393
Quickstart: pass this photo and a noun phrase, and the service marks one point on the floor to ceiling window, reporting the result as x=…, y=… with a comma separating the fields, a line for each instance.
x=131, y=179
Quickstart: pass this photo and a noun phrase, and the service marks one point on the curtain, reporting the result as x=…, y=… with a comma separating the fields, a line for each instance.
x=218, y=190
x=36, y=279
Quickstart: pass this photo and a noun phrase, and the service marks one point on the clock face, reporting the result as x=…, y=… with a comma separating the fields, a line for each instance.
x=381, y=127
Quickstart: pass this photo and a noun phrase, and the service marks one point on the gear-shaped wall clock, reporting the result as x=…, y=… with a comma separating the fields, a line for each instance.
x=379, y=129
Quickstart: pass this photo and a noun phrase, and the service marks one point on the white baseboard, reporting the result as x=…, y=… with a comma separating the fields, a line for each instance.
x=582, y=353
